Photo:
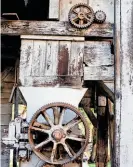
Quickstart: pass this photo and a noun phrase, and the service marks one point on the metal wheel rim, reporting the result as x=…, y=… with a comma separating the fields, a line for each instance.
x=40, y=155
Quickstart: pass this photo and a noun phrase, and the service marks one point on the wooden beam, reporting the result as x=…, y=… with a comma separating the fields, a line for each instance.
x=54, y=28
x=123, y=84
x=102, y=133
x=105, y=90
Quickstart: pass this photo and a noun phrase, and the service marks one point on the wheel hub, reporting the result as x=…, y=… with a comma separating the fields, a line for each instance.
x=58, y=134
x=81, y=15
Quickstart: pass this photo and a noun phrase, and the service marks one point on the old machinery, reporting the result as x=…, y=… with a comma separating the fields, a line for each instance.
x=55, y=139
x=54, y=135
x=81, y=15
x=100, y=16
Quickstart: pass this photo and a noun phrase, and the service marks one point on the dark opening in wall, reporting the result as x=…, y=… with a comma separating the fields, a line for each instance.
x=26, y=9
x=37, y=9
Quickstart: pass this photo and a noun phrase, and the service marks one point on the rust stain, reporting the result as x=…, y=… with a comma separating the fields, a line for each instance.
x=63, y=61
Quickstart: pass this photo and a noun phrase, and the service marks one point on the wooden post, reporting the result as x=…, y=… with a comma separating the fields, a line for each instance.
x=102, y=133
x=123, y=148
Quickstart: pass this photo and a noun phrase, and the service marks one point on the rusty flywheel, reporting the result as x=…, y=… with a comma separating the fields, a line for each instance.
x=54, y=133
x=81, y=15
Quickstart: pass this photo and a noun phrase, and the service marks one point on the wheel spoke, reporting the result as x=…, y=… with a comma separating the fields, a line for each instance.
x=81, y=22
x=81, y=9
x=46, y=116
x=62, y=116
x=85, y=17
x=53, y=152
x=38, y=124
x=75, y=19
x=42, y=143
x=39, y=129
x=67, y=149
x=74, y=10
x=76, y=138
x=56, y=115
x=72, y=123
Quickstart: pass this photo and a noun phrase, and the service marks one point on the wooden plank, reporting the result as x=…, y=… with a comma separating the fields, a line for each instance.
x=53, y=38
x=123, y=84
x=106, y=6
x=53, y=28
x=60, y=81
x=75, y=66
x=4, y=152
x=38, y=58
x=6, y=108
x=63, y=58
x=25, y=59
x=99, y=73
x=98, y=53
x=54, y=9
x=65, y=6
x=105, y=90
x=102, y=133
x=51, y=59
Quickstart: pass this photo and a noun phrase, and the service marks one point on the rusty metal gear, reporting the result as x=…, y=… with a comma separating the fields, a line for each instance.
x=53, y=138
x=100, y=16
x=81, y=15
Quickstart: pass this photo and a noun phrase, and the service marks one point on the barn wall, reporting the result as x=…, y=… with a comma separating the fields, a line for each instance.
x=104, y=5
x=7, y=78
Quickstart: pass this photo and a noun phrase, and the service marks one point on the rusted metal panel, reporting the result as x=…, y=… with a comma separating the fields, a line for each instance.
x=54, y=28
x=123, y=84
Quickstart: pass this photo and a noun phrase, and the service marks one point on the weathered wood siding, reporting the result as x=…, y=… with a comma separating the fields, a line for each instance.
x=7, y=82
x=99, y=62
x=48, y=63
x=104, y=5
x=65, y=6
x=54, y=28
x=123, y=84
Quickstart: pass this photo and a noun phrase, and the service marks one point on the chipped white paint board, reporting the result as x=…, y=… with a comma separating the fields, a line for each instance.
x=105, y=6
x=53, y=38
x=38, y=57
x=99, y=73
x=51, y=59
x=98, y=53
x=124, y=84
x=50, y=62
x=26, y=59
x=76, y=59
x=54, y=9
x=65, y=6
